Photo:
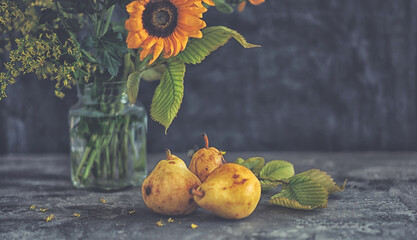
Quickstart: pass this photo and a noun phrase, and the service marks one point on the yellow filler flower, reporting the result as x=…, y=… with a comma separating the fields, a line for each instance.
x=242, y=5
x=157, y=26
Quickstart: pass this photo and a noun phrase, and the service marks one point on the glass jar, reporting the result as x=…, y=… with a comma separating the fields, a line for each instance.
x=108, y=138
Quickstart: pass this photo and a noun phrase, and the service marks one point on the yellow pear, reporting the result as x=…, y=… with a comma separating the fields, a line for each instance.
x=231, y=191
x=166, y=189
x=205, y=160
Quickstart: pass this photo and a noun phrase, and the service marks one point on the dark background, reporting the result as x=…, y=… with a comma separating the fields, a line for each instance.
x=331, y=75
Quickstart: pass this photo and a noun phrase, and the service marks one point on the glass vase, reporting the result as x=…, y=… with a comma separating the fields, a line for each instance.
x=108, y=138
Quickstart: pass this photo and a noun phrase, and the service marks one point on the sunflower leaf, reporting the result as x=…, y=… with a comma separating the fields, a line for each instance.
x=302, y=192
x=213, y=38
x=277, y=170
x=324, y=180
x=168, y=95
x=154, y=73
x=132, y=87
x=222, y=6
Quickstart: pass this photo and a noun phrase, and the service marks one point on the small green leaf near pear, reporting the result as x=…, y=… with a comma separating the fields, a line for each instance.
x=277, y=170
x=255, y=164
x=268, y=184
x=239, y=161
x=324, y=180
x=303, y=193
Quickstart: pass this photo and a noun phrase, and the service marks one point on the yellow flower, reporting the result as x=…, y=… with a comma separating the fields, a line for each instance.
x=157, y=26
x=242, y=5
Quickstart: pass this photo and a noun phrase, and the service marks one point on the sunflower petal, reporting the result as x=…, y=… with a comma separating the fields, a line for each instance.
x=136, y=7
x=144, y=53
x=159, y=46
x=133, y=24
x=149, y=42
x=196, y=12
x=241, y=6
x=192, y=21
x=133, y=40
x=176, y=45
x=256, y=2
x=209, y=2
x=168, y=48
x=196, y=34
x=182, y=40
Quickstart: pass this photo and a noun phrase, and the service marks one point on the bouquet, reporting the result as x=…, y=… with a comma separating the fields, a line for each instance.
x=106, y=55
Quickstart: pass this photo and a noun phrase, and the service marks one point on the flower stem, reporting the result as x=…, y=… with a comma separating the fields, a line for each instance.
x=89, y=165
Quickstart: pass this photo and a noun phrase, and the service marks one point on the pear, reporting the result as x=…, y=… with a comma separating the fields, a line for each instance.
x=205, y=160
x=231, y=191
x=166, y=189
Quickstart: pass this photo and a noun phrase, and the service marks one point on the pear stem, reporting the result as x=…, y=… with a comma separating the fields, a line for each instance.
x=168, y=154
x=197, y=192
x=206, y=140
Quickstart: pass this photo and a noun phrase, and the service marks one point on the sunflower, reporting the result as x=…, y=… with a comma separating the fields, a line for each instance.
x=242, y=5
x=157, y=26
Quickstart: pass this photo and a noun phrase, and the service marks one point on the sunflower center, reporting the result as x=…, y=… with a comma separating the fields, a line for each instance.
x=160, y=18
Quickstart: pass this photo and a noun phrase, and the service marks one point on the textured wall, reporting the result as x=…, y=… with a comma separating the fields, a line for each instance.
x=331, y=75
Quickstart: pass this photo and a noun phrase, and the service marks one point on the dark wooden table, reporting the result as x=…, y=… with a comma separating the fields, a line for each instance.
x=380, y=202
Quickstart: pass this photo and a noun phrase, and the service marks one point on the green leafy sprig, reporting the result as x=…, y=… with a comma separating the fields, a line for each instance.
x=304, y=191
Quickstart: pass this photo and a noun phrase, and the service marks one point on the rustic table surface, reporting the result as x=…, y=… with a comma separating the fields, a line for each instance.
x=380, y=202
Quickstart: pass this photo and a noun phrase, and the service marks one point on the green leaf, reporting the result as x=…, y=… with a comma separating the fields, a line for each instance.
x=239, y=161
x=106, y=20
x=154, y=74
x=222, y=6
x=110, y=52
x=132, y=87
x=301, y=192
x=168, y=95
x=324, y=180
x=277, y=170
x=255, y=164
x=267, y=184
x=213, y=38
